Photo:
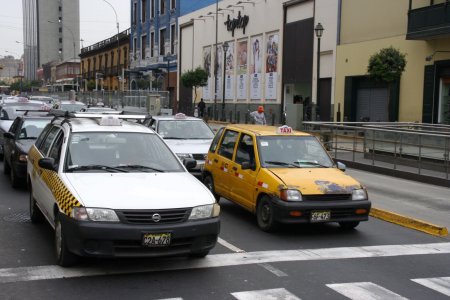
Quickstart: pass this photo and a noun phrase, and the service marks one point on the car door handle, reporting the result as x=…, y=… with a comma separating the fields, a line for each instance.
x=234, y=168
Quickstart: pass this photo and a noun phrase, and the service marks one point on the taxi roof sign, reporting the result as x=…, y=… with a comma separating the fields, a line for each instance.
x=284, y=130
x=180, y=116
x=110, y=120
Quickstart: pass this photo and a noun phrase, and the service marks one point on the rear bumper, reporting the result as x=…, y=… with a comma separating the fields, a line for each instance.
x=125, y=240
x=340, y=211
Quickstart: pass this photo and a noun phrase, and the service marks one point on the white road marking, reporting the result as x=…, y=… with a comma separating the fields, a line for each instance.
x=440, y=284
x=221, y=260
x=273, y=270
x=274, y=294
x=364, y=290
x=230, y=246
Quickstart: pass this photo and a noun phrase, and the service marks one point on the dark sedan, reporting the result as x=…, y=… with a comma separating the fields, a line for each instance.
x=18, y=140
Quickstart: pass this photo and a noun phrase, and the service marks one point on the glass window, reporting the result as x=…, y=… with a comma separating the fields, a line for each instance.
x=162, y=41
x=162, y=7
x=55, y=151
x=186, y=130
x=216, y=140
x=228, y=142
x=245, y=151
x=48, y=140
x=31, y=129
x=43, y=135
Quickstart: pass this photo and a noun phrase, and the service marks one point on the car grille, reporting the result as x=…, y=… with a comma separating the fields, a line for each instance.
x=327, y=197
x=167, y=216
x=199, y=156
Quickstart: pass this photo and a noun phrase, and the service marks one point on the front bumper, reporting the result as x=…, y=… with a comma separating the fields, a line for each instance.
x=125, y=240
x=340, y=211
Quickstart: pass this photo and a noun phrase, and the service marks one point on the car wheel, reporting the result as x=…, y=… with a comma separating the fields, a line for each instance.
x=6, y=168
x=265, y=215
x=200, y=254
x=208, y=181
x=348, y=225
x=15, y=183
x=1, y=152
x=36, y=215
x=64, y=257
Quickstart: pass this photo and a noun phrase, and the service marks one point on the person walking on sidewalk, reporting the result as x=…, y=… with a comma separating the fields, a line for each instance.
x=258, y=116
x=201, y=107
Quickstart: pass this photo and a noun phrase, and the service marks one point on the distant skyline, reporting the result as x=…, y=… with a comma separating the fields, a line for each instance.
x=97, y=22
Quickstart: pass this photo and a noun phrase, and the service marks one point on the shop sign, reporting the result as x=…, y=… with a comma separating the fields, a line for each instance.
x=239, y=22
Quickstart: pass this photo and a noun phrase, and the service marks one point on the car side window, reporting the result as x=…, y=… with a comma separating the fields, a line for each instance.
x=55, y=151
x=245, y=151
x=48, y=140
x=42, y=136
x=226, y=148
x=216, y=140
x=14, y=126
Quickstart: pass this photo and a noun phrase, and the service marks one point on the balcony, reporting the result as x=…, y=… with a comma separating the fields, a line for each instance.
x=429, y=22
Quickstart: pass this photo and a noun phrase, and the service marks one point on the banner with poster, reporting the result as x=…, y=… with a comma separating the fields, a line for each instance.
x=242, y=54
x=219, y=63
x=271, y=66
x=229, y=72
x=256, y=67
x=207, y=68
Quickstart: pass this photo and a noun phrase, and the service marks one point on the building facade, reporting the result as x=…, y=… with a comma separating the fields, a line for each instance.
x=270, y=59
x=154, y=41
x=106, y=63
x=417, y=28
x=51, y=33
x=10, y=67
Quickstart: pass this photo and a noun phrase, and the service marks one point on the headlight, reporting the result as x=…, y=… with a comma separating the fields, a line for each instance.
x=94, y=214
x=360, y=194
x=23, y=157
x=205, y=211
x=182, y=156
x=291, y=195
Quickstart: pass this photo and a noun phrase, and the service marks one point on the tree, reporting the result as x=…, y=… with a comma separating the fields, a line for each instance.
x=194, y=79
x=91, y=85
x=387, y=65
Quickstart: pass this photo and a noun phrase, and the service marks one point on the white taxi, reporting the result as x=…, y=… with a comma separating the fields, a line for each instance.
x=106, y=185
x=188, y=137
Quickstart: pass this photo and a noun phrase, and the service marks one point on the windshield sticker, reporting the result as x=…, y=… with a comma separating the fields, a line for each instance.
x=264, y=144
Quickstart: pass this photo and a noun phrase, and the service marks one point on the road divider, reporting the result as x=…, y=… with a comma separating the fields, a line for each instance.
x=408, y=222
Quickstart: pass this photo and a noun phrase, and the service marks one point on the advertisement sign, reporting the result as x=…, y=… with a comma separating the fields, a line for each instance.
x=255, y=67
x=271, y=66
x=207, y=67
x=242, y=55
x=229, y=71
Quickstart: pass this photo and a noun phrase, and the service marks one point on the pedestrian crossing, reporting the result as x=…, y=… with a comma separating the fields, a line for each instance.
x=351, y=290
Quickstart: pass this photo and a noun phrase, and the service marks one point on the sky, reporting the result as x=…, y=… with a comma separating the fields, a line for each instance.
x=97, y=22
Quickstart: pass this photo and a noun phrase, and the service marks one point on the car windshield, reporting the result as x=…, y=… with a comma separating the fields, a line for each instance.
x=292, y=152
x=72, y=107
x=119, y=152
x=32, y=128
x=184, y=129
x=10, y=112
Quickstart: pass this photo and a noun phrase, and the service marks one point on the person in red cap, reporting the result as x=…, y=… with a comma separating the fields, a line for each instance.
x=258, y=116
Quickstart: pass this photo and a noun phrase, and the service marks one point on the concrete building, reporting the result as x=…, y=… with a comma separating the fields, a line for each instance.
x=51, y=33
x=9, y=68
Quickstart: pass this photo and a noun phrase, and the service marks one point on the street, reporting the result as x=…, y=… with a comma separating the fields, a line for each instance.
x=297, y=262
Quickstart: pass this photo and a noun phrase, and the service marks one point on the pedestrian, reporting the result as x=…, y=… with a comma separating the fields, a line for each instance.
x=201, y=107
x=258, y=116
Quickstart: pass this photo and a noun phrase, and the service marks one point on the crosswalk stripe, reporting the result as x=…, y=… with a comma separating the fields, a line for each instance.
x=439, y=284
x=364, y=290
x=273, y=294
x=9, y=275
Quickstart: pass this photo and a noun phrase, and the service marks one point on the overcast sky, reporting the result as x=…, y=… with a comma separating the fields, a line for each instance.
x=97, y=22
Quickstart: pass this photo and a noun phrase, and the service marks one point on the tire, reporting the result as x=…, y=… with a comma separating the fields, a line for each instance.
x=36, y=215
x=200, y=254
x=348, y=225
x=265, y=215
x=209, y=182
x=6, y=168
x=64, y=257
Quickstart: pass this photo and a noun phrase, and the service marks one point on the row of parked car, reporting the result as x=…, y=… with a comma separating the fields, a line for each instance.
x=112, y=184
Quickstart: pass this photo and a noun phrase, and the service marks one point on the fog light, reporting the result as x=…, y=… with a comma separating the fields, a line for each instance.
x=361, y=211
x=295, y=213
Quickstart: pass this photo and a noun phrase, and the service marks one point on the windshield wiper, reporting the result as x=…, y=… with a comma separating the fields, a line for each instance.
x=136, y=167
x=95, y=167
x=313, y=163
x=281, y=163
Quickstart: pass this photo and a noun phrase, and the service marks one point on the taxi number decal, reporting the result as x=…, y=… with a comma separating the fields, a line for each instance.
x=262, y=184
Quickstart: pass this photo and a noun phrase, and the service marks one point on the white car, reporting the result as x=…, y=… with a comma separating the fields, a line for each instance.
x=188, y=137
x=113, y=188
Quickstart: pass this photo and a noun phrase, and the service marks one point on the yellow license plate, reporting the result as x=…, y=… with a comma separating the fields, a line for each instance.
x=156, y=239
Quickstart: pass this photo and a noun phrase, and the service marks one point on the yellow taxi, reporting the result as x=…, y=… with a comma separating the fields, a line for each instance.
x=282, y=176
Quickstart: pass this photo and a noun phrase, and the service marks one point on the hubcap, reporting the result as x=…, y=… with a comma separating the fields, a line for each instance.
x=265, y=213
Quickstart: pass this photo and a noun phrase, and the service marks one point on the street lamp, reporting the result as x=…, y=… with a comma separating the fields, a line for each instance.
x=118, y=44
x=225, y=47
x=319, y=31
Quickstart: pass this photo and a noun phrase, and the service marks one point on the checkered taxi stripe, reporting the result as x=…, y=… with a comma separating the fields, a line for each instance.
x=64, y=198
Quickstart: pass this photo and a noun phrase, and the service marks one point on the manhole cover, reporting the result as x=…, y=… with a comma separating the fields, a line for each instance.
x=21, y=217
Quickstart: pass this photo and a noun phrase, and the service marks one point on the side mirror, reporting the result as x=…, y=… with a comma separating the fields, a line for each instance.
x=341, y=166
x=189, y=163
x=8, y=135
x=248, y=166
x=47, y=163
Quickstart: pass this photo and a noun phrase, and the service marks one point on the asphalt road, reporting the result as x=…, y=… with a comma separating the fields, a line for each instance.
x=297, y=262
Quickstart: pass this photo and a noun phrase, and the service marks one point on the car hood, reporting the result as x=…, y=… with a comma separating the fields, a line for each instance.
x=189, y=146
x=139, y=190
x=312, y=181
x=25, y=145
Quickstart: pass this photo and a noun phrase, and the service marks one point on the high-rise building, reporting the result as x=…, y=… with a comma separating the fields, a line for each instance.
x=51, y=33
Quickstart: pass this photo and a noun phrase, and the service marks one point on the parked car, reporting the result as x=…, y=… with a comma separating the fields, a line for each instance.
x=283, y=176
x=44, y=99
x=69, y=105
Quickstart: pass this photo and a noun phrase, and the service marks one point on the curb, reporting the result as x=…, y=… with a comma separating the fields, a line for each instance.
x=408, y=222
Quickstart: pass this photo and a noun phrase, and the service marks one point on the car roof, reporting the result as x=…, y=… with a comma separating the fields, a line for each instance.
x=173, y=118
x=263, y=130
x=92, y=124
x=71, y=102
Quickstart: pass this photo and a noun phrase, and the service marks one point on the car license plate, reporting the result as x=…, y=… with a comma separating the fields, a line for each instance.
x=320, y=216
x=156, y=239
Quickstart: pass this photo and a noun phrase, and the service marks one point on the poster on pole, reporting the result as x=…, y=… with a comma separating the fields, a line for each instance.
x=242, y=54
x=255, y=67
x=271, y=66
x=229, y=72
x=218, y=61
x=207, y=68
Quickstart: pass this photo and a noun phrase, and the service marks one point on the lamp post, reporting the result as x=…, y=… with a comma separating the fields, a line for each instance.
x=118, y=45
x=224, y=51
x=319, y=31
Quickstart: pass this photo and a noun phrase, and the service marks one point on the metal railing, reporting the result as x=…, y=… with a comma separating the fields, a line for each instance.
x=413, y=147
